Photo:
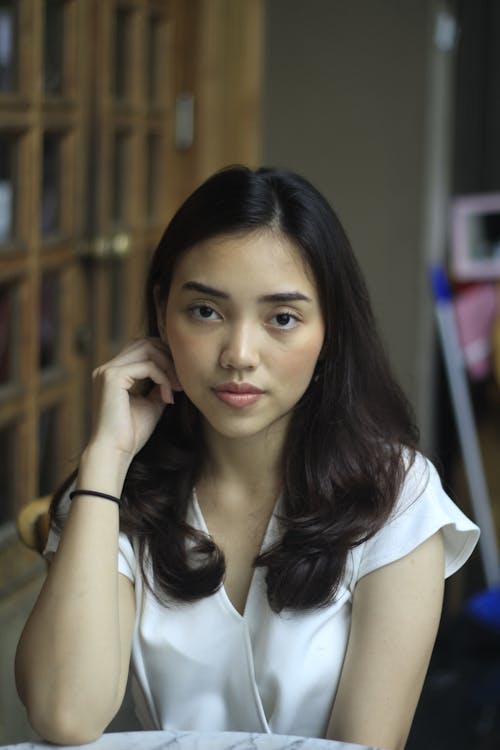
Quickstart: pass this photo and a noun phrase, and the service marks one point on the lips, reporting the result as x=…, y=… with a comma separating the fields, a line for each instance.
x=237, y=388
x=238, y=395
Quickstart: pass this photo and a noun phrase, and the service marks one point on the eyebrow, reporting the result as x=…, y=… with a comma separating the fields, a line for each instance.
x=275, y=297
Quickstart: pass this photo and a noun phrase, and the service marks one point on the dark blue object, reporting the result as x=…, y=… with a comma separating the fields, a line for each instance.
x=484, y=607
x=440, y=285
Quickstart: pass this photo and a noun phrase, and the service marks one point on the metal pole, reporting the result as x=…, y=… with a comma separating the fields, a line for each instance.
x=464, y=417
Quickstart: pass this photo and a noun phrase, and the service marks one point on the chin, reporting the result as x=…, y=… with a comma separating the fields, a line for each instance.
x=244, y=428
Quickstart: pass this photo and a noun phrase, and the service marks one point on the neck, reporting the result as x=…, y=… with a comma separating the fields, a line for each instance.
x=251, y=465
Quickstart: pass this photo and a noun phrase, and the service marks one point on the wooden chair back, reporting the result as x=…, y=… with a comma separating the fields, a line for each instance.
x=33, y=523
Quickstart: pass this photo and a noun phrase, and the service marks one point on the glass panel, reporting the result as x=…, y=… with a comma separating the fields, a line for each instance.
x=116, y=289
x=51, y=184
x=157, y=52
x=119, y=195
x=8, y=51
x=8, y=323
x=49, y=320
x=53, y=47
x=7, y=186
x=47, y=449
x=7, y=472
x=123, y=45
x=153, y=174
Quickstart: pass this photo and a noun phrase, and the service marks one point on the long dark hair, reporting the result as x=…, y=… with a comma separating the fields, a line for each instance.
x=351, y=437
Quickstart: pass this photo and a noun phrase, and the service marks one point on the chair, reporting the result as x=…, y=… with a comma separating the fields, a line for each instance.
x=33, y=523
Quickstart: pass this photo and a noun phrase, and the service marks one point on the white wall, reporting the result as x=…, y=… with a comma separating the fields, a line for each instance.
x=346, y=102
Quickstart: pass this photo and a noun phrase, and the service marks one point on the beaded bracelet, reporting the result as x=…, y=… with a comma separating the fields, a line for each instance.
x=116, y=500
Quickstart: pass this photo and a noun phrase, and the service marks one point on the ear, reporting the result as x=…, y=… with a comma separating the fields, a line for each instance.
x=161, y=310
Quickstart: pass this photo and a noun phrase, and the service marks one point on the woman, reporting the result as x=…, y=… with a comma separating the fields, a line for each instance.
x=283, y=546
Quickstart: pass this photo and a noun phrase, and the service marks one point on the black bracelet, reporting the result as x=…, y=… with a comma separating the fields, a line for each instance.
x=116, y=500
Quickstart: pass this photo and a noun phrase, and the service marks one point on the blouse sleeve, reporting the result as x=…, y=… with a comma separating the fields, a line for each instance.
x=422, y=509
x=127, y=564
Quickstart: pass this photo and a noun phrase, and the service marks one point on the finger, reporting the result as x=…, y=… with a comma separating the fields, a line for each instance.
x=142, y=349
x=161, y=382
x=163, y=348
x=172, y=375
x=159, y=346
x=149, y=389
x=161, y=354
x=129, y=376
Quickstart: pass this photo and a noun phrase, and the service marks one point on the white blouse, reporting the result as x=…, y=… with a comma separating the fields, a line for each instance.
x=202, y=666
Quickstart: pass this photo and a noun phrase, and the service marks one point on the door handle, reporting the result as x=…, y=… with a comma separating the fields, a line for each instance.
x=104, y=248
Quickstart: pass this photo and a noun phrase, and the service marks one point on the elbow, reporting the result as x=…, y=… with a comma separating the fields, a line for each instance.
x=60, y=715
x=65, y=714
x=61, y=728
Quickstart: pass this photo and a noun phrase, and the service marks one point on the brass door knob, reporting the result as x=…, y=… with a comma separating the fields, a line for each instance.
x=105, y=248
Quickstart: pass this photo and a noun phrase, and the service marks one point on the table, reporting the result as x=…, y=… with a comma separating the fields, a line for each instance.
x=199, y=741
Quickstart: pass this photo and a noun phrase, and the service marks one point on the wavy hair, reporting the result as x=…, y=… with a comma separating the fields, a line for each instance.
x=350, y=439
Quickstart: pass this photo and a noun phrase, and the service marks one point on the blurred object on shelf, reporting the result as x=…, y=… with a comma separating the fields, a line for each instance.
x=476, y=309
x=475, y=232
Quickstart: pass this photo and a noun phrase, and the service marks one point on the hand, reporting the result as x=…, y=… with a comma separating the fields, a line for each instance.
x=131, y=392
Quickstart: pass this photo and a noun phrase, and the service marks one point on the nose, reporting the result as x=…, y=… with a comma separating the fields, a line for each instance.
x=240, y=348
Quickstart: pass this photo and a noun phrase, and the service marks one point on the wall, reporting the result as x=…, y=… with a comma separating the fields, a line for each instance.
x=477, y=124
x=345, y=103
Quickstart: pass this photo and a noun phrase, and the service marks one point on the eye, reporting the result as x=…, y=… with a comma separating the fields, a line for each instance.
x=204, y=312
x=285, y=320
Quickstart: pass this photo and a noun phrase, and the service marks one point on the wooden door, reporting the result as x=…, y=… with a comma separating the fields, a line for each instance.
x=133, y=119
x=43, y=134
x=110, y=112
x=176, y=95
x=86, y=92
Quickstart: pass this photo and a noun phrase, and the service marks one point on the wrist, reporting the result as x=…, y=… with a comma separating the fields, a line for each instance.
x=103, y=468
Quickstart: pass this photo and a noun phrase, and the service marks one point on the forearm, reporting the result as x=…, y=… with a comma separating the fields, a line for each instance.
x=68, y=664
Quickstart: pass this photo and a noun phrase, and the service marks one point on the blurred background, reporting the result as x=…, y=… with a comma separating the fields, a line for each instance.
x=112, y=111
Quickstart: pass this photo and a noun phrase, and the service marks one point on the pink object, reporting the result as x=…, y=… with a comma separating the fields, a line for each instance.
x=476, y=310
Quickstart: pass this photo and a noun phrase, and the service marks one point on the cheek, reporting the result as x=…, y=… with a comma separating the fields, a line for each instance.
x=299, y=364
x=189, y=352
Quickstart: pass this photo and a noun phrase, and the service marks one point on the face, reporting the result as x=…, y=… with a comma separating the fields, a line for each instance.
x=244, y=326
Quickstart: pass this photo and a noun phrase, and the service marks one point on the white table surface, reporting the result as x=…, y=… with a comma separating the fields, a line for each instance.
x=199, y=741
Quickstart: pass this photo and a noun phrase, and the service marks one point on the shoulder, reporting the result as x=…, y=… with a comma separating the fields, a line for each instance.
x=421, y=510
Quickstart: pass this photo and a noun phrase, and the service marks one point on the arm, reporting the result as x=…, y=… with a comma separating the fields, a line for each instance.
x=73, y=656
x=395, y=616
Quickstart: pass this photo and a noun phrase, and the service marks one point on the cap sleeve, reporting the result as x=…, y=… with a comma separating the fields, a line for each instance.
x=422, y=509
x=127, y=563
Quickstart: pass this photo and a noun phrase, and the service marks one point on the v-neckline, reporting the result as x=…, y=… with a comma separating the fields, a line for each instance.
x=270, y=526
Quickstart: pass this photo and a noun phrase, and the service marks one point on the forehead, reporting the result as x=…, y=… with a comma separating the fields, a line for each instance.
x=266, y=258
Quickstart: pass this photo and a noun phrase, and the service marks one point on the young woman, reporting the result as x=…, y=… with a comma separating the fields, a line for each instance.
x=281, y=545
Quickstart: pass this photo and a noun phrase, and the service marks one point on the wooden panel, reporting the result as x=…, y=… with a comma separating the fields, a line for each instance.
x=30, y=115
x=207, y=49
x=130, y=108
x=229, y=84
x=82, y=111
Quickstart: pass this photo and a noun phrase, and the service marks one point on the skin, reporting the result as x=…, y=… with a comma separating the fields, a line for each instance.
x=224, y=323
x=73, y=656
